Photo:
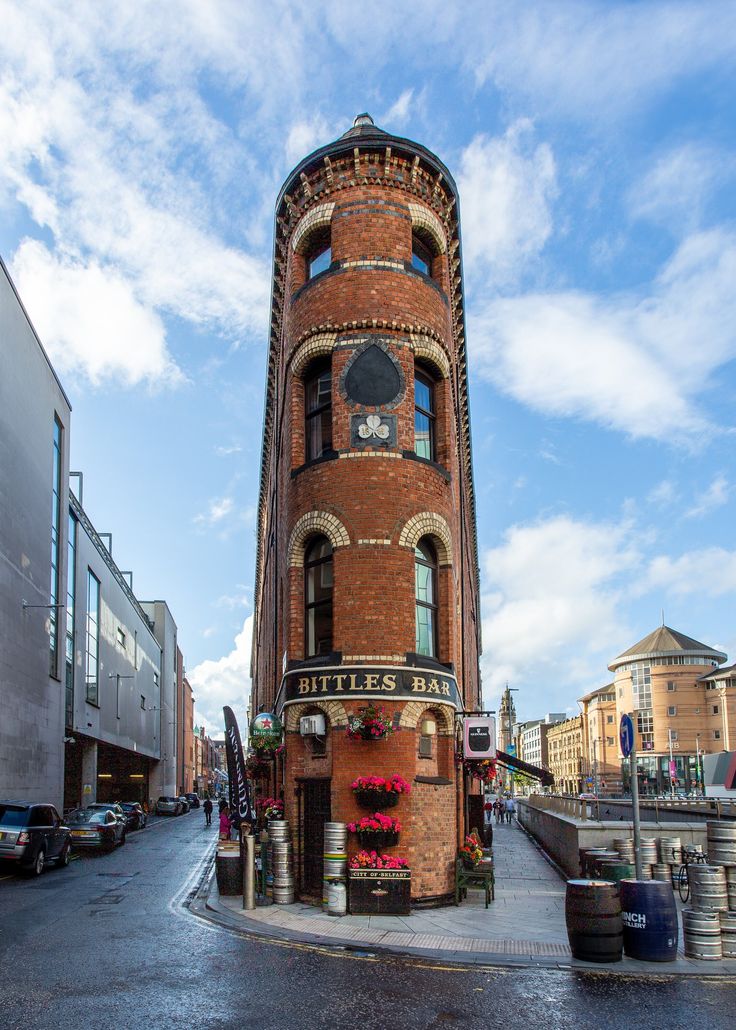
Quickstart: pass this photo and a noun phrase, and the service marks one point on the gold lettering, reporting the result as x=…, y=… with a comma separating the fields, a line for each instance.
x=434, y=687
x=353, y=678
x=338, y=680
x=418, y=684
x=324, y=680
x=371, y=680
x=445, y=688
x=313, y=680
x=389, y=681
x=303, y=686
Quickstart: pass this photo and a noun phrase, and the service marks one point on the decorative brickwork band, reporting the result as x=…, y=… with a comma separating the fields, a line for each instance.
x=428, y=523
x=429, y=350
x=415, y=710
x=311, y=524
x=317, y=218
x=424, y=219
x=334, y=711
x=313, y=347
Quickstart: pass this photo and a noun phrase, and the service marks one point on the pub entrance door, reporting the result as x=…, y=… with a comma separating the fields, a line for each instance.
x=316, y=809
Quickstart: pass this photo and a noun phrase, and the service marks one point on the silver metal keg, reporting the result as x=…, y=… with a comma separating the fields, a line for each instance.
x=670, y=850
x=708, y=888
x=662, y=871
x=648, y=850
x=625, y=848
x=728, y=933
x=721, y=842
x=731, y=887
x=702, y=935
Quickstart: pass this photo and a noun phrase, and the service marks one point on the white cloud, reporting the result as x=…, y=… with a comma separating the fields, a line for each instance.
x=506, y=184
x=90, y=320
x=712, y=569
x=674, y=191
x=224, y=451
x=632, y=364
x=217, y=510
x=398, y=114
x=714, y=497
x=663, y=494
x=241, y=599
x=306, y=135
x=552, y=591
x=598, y=61
x=224, y=681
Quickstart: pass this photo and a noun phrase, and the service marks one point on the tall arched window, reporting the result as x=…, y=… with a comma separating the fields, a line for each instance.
x=424, y=443
x=318, y=597
x=425, y=593
x=318, y=410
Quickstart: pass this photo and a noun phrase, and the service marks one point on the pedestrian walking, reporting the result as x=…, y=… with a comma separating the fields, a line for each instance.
x=510, y=809
x=499, y=810
x=207, y=806
x=225, y=823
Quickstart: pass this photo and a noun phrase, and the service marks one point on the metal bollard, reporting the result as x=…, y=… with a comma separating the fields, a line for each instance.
x=249, y=873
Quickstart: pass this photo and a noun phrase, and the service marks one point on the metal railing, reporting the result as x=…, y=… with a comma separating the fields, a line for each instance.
x=601, y=809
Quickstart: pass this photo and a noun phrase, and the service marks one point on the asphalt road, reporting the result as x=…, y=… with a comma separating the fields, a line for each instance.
x=110, y=942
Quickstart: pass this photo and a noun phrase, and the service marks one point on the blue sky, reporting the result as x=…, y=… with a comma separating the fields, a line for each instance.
x=594, y=147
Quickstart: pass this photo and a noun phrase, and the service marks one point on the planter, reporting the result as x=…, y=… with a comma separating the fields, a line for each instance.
x=376, y=800
x=365, y=734
x=379, y=892
x=468, y=863
x=376, y=840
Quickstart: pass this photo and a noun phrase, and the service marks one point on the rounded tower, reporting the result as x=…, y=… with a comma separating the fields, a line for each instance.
x=367, y=576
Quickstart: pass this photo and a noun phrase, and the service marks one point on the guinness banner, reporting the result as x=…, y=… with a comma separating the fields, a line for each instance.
x=240, y=807
x=363, y=682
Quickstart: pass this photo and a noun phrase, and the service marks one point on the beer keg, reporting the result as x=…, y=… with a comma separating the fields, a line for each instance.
x=670, y=850
x=702, y=935
x=728, y=933
x=721, y=842
x=708, y=891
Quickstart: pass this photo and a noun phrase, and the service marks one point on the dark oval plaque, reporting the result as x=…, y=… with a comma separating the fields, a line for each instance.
x=373, y=378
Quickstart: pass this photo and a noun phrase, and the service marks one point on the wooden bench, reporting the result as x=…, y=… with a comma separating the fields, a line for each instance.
x=480, y=877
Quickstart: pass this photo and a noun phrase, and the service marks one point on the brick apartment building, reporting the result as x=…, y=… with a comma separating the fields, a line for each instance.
x=367, y=573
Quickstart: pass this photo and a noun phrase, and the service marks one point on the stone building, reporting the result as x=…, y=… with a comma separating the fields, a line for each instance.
x=602, y=763
x=566, y=755
x=367, y=575
x=681, y=705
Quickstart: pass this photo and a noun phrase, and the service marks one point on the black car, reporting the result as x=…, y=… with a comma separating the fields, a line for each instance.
x=193, y=800
x=32, y=835
x=96, y=828
x=135, y=817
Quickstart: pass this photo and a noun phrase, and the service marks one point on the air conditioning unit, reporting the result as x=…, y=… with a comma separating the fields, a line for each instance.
x=312, y=725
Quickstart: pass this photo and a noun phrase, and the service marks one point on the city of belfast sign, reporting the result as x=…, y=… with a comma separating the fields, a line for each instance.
x=343, y=682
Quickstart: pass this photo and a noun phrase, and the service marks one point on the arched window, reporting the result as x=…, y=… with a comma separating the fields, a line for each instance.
x=425, y=594
x=318, y=410
x=421, y=255
x=424, y=416
x=318, y=597
x=318, y=255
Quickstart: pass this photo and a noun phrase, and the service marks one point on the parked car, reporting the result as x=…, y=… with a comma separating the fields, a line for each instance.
x=168, y=806
x=108, y=806
x=588, y=797
x=193, y=800
x=33, y=835
x=135, y=817
x=184, y=803
x=96, y=827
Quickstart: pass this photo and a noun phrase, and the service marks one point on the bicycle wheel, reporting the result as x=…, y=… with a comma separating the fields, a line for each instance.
x=683, y=884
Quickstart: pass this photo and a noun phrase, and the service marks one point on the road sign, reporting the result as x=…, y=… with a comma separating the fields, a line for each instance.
x=626, y=735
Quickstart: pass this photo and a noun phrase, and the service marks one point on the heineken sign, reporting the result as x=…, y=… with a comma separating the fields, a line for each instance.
x=265, y=726
x=363, y=682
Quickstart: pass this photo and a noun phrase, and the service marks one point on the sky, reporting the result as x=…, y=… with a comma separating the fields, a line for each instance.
x=594, y=146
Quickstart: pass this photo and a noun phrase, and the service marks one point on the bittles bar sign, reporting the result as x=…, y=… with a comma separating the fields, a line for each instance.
x=361, y=681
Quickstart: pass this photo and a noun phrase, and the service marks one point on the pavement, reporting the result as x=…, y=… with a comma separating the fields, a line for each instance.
x=523, y=927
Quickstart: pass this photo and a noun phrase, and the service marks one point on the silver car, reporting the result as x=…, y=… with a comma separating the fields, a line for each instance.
x=168, y=806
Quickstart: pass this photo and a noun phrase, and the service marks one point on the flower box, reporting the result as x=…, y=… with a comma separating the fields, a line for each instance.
x=379, y=892
x=377, y=800
x=373, y=840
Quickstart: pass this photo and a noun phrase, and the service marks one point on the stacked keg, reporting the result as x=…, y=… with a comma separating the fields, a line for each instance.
x=670, y=859
x=721, y=843
x=335, y=858
x=728, y=933
x=702, y=923
x=731, y=887
x=625, y=848
x=648, y=853
x=280, y=861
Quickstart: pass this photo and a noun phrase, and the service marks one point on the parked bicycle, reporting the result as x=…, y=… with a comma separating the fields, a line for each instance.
x=689, y=857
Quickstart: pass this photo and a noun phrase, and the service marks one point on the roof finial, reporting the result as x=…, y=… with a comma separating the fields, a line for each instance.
x=363, y=119
x=663, y=617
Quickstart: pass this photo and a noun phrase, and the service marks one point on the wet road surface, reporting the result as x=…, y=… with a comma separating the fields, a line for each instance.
x=109, y=942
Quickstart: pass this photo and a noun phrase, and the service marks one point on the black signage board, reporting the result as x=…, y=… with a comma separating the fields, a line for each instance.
x=479, y=739
x=368, y=684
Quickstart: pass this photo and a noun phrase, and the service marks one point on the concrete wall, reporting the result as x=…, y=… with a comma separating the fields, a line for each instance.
x=562, y=836
x=31, y=700
x=163, y=778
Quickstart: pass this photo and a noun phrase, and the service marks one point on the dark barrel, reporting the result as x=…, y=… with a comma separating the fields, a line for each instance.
x=616, y=870
x=649, y=916
x=593, y=919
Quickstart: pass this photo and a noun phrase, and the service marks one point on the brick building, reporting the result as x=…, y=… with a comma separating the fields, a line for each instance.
x=367, y=574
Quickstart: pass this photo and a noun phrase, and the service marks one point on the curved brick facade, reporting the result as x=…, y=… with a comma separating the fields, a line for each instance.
x=371, y=198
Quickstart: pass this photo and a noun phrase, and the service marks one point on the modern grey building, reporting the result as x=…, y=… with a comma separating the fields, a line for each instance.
x=34, y=473
x=164, y=629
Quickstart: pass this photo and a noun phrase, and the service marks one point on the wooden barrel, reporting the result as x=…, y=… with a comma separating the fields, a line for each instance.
x=229, y=871
x=702, y=934
x=593, y=920
x=616, y=870
x=649, y=917
x=590, y=855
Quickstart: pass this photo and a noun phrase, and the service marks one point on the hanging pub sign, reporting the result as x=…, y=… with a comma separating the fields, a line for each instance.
x=479, y=737
x=266, y=727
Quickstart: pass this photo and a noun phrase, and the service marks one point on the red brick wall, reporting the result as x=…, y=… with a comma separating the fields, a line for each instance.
x=373, y=497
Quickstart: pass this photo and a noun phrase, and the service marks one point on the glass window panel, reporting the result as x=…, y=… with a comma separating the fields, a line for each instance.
x=424, y=585
x=419, y=263
x=320, y=262
x=422, y=436
x=422, y=394
x=425, y=631
x=319, y=629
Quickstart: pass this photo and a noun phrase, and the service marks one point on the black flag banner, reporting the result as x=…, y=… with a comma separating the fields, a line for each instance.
x=240, y=807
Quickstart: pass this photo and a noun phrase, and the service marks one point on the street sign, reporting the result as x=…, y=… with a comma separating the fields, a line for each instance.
x=511, y=749
x=626, y=735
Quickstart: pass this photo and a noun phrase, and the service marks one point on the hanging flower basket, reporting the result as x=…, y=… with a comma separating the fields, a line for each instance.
x=376, y=831
x=256, y=768
x=379, y=792
x=479, y=769
x=369, y=723
x=266, y=747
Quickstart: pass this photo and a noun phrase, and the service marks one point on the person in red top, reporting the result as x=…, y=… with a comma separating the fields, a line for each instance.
x=225, y=823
